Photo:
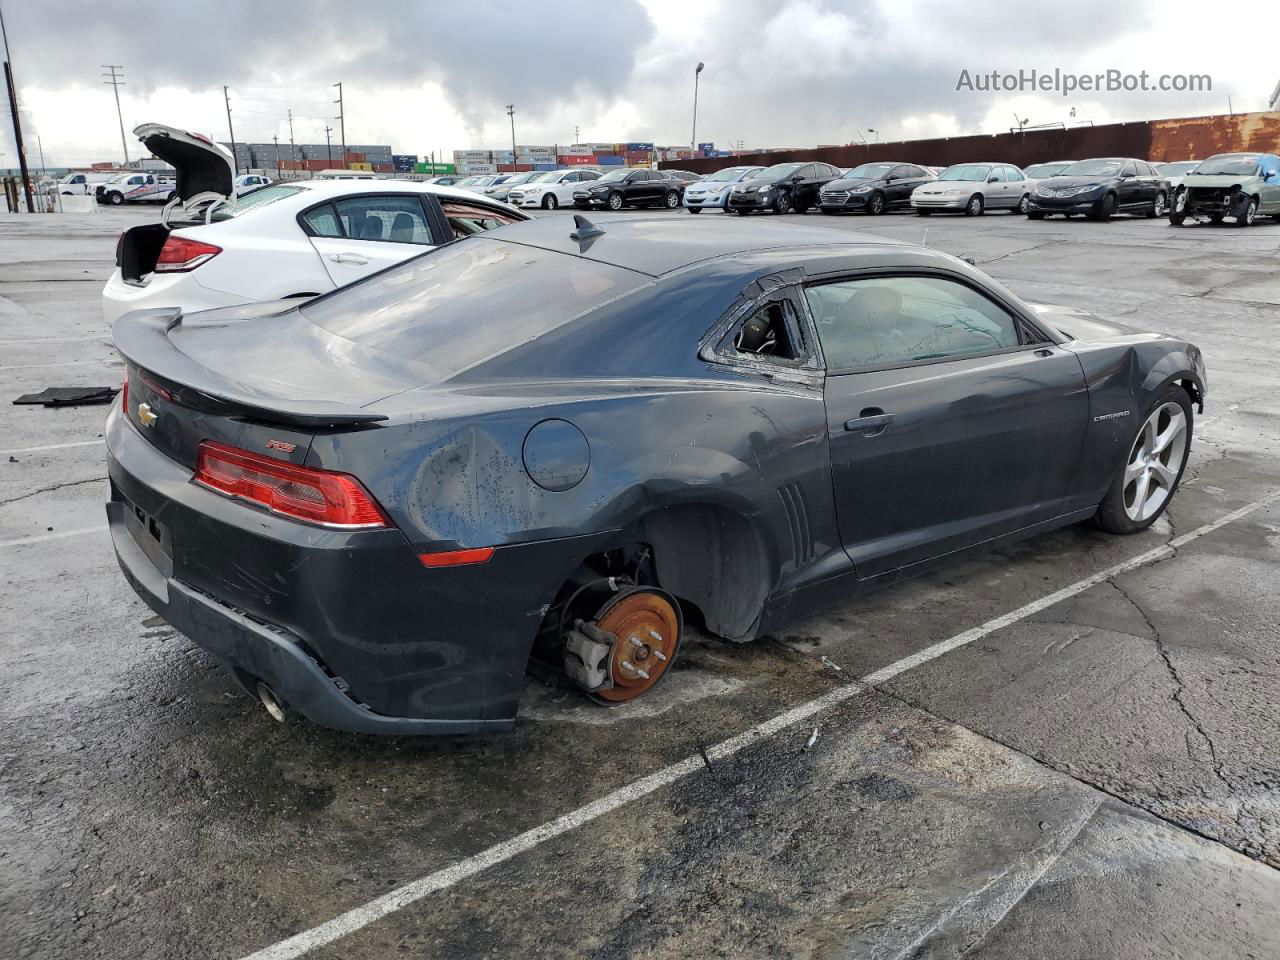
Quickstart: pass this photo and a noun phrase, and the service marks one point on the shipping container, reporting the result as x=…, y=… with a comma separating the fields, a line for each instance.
x=610, y=161
x=577, y=158
x=634, y=147
x=475, y=167
x=546, y=166
x=577, y=150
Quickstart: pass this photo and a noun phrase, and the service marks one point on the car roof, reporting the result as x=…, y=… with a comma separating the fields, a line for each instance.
x=661, y=245
x=317, y=189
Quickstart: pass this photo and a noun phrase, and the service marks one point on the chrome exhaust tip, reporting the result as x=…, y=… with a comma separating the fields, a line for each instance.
x=270, y=701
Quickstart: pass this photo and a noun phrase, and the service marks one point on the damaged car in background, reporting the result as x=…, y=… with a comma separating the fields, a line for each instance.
x=296, y=238
x=1243, y=186
x=551, y=446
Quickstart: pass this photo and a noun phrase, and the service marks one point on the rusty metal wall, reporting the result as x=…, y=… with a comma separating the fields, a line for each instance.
x=1188, y=138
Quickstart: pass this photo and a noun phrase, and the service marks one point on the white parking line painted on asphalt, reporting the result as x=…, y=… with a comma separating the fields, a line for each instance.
x=60, y=535
x=96, y=336
x=62, y=363
x=53, y=446
x=360, y=917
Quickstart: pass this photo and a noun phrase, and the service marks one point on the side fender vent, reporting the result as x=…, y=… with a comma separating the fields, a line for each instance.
x=797, y=512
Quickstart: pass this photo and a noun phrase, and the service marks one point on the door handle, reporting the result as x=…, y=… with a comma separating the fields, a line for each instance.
x=872, y=422
x=348, y=258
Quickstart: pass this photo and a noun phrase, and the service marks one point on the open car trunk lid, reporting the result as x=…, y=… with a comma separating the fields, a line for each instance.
x=248, y=375
x=201, y=165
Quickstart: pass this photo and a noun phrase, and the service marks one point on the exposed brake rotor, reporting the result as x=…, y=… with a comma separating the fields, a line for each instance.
x=628, y=646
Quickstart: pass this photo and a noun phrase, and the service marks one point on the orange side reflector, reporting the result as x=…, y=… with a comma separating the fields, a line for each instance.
x=456, y=558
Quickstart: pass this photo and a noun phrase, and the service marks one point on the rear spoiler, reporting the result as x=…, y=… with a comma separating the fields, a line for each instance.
x=142, y=337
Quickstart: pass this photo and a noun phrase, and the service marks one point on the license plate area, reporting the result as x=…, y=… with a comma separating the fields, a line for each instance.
x=151, y=536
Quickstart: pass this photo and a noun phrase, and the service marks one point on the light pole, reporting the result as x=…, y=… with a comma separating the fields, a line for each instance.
x=693, y=138
x=511, y=112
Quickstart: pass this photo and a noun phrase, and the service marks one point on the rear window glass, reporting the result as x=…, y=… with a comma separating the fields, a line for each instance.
x=251, y=201
x=467, y=302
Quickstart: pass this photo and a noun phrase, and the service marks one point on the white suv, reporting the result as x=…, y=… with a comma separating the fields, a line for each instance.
x=551, y=189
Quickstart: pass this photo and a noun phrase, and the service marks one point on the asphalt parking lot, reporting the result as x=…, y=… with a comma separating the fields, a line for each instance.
x=1068, y=748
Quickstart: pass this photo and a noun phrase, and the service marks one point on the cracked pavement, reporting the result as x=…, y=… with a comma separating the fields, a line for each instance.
x=1098, y=779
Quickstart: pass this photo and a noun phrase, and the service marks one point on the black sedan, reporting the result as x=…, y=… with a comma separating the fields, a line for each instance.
x=782, y=188
x=630, y=188
x=873, y=187
x=549, y=444
x=1100, y=188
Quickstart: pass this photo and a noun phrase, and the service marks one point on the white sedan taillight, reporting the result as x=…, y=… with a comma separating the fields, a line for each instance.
x=180, y=254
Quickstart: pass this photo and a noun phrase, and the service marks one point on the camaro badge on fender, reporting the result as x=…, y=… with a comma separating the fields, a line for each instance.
x=145, y=416
x=1111, y=416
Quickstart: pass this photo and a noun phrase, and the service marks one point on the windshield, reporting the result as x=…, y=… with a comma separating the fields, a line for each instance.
x=549, y=176
x=467, y=302
x=257, y=198
x=466, y=181
x=966, y=171
x=613, y=176
x=1039, y=171
x=1093, y=168
x=1229, y=165
x=779, y=170
x=518, y=178
x=869, y=171
x=730, y=173
x=1177, y=169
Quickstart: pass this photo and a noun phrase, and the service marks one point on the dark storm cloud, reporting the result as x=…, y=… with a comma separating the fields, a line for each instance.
x=482, y=52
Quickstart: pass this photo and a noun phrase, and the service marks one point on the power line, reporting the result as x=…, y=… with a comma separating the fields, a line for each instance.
x=116, y=81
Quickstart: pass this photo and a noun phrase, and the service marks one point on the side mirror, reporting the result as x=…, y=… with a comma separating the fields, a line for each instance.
x=1269, y=175
x=991, y=179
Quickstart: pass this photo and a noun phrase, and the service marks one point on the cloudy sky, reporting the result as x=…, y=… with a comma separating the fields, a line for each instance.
x=431, y=76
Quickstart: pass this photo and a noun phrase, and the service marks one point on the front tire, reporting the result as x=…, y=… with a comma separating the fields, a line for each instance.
x=741, y=212
x=1246, y=216
x=1157, y=206
x=923, y=213
x=615, y=201
x=876, y=204
x=1035, y=214
x=694, y=209
x=115, y=199
x=782, y=203
x=549, y=202
x=1106, y=209
x=1149, y=477
x=672, y=200
x=975, y=206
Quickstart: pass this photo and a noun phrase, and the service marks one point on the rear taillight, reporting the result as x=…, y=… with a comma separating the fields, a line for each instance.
x=124, y=393
x=180, y=254
x=321, y=497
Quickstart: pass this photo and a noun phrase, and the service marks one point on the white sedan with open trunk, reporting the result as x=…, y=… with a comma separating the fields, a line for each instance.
x=294, y=238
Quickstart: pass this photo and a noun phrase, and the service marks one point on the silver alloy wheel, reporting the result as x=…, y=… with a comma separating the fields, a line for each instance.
x=1180, y=201
x=1155, y=462
x=615, y=201
x=1158, y=208
x=1250, y=212
x=673, y=200
x=974, y=206
x=1024, y=203
x=550, y=203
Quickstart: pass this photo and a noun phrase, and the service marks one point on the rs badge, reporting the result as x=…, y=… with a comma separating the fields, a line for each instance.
x=145, y=416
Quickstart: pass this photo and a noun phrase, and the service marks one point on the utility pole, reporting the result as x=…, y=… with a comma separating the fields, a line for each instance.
x=693, y=140
x=116, y=81
x=17, y=122
x=276, y=140
x=342, y=123
x=328, y=144
x=511, y=112
x=235, y=159
x=576, y=134
x=40, y=145
x=293, y=151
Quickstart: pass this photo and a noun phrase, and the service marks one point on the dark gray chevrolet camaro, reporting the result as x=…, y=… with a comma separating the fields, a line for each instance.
x=548, y=446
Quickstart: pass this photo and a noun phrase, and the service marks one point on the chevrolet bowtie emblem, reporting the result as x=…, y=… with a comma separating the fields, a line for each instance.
x=145, y=416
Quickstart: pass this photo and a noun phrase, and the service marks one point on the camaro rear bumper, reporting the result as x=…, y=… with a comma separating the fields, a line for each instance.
x=346, y=627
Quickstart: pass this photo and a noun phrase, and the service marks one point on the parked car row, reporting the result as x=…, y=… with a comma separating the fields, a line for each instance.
x=1242, y=186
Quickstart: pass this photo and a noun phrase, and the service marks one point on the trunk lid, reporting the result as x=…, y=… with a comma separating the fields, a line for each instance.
x=260, y=377
x=202, y=166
